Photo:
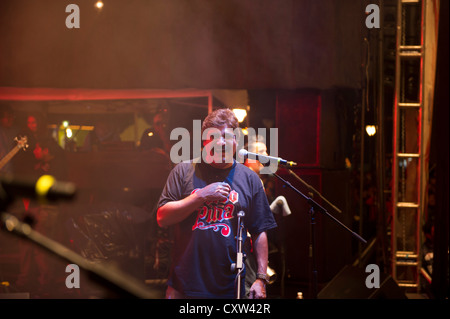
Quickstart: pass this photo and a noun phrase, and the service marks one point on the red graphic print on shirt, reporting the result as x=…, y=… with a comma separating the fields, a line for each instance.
x=215, y=214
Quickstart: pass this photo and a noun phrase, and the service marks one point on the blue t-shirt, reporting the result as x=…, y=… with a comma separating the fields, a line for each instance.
x=205, y=242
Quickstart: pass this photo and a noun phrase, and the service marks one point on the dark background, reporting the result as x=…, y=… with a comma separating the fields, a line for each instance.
x=302, y=64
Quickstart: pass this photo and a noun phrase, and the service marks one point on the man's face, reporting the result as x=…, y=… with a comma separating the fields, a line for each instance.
x=219, y=146
x=32, y=123
x=259, y=148
x=159, y=124
x=7, y=120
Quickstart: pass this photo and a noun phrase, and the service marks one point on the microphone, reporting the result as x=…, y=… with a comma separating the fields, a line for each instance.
x=45, y=187
x=266, y=158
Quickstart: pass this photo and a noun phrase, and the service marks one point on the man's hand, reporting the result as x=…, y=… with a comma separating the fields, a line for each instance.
x=176, y=211
x=214, y=192
x=258, y=290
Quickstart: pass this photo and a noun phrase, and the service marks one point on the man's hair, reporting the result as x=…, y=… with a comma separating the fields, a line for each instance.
x=219, y=118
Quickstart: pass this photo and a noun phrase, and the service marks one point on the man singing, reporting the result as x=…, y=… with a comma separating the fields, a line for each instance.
x=201, y=199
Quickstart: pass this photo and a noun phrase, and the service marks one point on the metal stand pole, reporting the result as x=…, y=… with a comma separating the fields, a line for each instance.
x=239, y=265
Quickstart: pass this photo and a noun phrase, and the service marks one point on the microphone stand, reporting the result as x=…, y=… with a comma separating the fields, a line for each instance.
x=313, y=190
x=239, y=265
x=125, y=285
x=314, y=207
x=110, y=276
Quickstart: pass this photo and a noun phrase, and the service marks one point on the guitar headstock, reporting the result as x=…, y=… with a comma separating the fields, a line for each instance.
x=22, y=142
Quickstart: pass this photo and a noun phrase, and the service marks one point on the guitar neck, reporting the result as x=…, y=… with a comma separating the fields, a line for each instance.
x=8, y=156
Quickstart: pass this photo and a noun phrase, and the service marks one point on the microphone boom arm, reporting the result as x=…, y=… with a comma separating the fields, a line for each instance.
x=314, y=191
x=120, y=281
x=314, y=206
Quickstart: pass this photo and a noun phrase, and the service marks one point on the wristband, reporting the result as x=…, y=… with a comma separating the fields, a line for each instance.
x=262, y=277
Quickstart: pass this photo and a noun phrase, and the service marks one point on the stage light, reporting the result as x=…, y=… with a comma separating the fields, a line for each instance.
x=69, y=132
x=348, y=164
x=99, y=4
x=271, y=274
x=240, y=114
x=371, y=130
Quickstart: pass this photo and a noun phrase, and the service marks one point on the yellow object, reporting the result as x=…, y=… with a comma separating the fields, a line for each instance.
x=43, y=185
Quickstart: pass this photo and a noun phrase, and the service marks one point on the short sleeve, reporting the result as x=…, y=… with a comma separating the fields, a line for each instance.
x=260, y=216
x=173, y=190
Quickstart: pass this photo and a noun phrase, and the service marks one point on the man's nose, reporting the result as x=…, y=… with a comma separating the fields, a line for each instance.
x=221, y=141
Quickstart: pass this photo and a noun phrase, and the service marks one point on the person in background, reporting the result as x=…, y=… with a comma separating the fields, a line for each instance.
x=255, y=145
x=43, y=157
x=157, y=137
x=8, y=132
x=103, y=135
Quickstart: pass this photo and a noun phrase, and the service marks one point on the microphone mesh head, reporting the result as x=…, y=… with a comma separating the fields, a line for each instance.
x=242, y=153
